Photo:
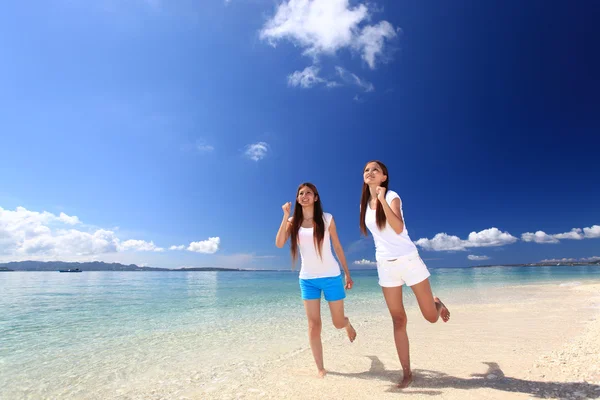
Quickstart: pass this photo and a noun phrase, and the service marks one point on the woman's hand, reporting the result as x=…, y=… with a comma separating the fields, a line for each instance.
x=286, y=208
x=349, y=281
x=380, y=193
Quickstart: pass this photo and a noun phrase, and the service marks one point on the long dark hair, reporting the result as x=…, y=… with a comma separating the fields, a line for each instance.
x=364, y=200
x=318, y=223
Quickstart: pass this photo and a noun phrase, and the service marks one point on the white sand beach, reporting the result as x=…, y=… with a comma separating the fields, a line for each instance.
x=546, y=345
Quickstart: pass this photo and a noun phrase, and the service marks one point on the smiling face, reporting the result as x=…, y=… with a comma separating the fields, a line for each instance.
x=374, y=174
x=306, y=196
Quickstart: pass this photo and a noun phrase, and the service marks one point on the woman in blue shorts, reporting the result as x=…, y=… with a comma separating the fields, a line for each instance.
x=312, y=231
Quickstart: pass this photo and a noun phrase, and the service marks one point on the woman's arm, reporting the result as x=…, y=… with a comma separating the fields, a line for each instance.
x=339, y=252
x=392, y=211
x=284, y=229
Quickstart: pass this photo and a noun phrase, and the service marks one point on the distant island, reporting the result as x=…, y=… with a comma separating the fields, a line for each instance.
x=556, y=263
x=92, y=266
x=102, y=266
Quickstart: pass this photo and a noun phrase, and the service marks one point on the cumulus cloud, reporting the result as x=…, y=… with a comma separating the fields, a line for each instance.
x=491, y=237
x=573, y=234
x=26, y=234
x=257, y=151
x=539, y=237
x=473, y=257
x=584, y=259
x=180, y=247
x=593, y=258
x=323, y=27
x=209, y=246
x=70, y=220
x=593, y=232
x=140, y=245
x=365, y=262
x=442, y=242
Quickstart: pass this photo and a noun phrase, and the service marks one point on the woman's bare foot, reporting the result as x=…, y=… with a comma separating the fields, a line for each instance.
x=322, y=373
x=406, y=381
x=444, y=313
x=351, y=332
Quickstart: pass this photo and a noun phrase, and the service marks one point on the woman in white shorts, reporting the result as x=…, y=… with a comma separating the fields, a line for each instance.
x=398, y=260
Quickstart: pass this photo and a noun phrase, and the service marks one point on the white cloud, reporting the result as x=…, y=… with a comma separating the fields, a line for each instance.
x=71, y=220
x=575, y=234
x=257, y=151
x=209, y=246
x=365, y=262
x=371, y=40
x=442, y=242
x=593, y=258
x=593, y=232
x=140, y=245
x=491, y=237
x=204, y=148
x=307, y=78
x=180, y=247
x=539, y=237
x=326, y=26
x=26, y=234
x=477, y=258
x=352, y=79
x=584, y=259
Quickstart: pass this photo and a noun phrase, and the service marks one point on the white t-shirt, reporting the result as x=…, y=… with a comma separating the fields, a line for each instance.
x=314, y=266
x=389, y=244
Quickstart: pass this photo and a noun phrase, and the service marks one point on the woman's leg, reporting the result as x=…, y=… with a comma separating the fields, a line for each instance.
x=340, y=320
x=431, y=307
x=393, y=298
x=313, y=313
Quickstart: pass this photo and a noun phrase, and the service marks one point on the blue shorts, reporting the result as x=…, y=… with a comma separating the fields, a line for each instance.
x=332, y=287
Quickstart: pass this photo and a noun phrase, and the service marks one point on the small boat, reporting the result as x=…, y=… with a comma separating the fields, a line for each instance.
x=69, y=270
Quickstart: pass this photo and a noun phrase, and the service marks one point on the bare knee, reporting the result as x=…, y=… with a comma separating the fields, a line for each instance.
x=340, y=323
x=399, y=320
x=314, y=327
x=431, y=317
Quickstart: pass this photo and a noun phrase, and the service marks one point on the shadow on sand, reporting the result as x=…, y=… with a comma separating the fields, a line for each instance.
x=430, y=382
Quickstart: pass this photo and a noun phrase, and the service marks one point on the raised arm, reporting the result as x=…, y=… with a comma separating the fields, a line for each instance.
x=392, y=211
x=284, y=229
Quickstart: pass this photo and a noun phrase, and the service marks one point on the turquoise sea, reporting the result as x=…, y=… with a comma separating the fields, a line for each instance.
x=105, y=334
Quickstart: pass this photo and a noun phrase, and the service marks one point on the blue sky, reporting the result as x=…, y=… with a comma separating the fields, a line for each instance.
x=169, y=134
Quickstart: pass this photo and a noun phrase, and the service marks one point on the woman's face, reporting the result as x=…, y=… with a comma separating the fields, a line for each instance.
x=373, y=175
x=306, y=197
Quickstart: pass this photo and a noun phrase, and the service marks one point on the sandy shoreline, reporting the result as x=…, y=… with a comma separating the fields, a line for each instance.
x=545, y=345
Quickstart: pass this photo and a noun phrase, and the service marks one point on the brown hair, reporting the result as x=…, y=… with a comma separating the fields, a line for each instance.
x=318, y=223
x=364, y=200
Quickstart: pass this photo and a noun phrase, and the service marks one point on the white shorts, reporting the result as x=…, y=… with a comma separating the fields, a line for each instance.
x=409, y=269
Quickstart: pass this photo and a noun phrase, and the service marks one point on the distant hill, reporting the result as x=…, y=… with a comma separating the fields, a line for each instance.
x=545, y=264
x=91, y=266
